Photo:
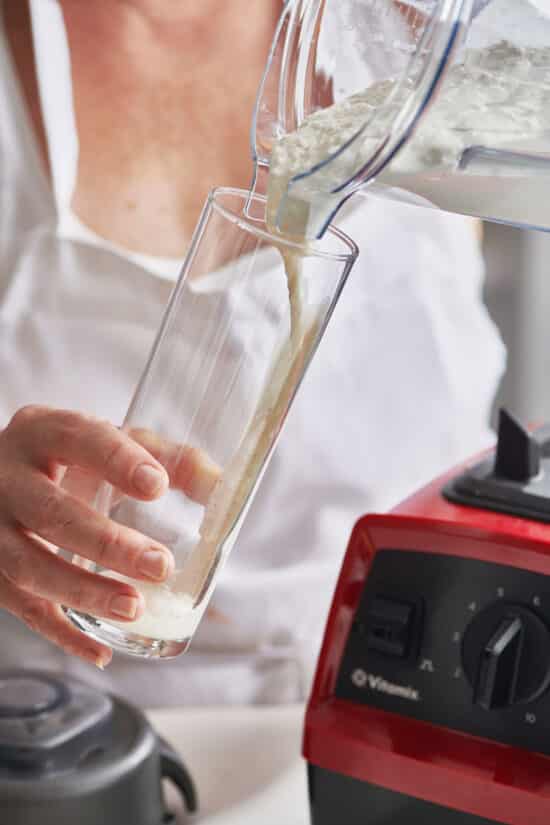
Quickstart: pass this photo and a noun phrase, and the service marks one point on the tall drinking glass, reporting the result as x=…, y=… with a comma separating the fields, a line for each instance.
x=242, y=324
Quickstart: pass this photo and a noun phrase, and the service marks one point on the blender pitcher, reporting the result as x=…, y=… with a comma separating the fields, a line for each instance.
x=243, y=322
x=455, y=106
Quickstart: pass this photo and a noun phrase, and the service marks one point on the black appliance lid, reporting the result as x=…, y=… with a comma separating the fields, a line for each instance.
x=514, y=479
x=23, y=696
x=41, y=714
x=69, y=753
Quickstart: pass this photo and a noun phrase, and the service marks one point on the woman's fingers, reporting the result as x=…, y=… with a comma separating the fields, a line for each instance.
x=189, y=469
x=52, y=465
x=48, y=437
x=49, y=620
x=82, y=484
x=32, y=567
x=67, y=522
x=139, y=463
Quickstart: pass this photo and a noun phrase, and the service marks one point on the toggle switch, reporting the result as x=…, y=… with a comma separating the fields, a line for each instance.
x=389, y=627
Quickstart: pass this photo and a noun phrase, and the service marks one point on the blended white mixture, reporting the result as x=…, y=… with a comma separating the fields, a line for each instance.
x=167, y=615
x=497, y=97
x=173, y=610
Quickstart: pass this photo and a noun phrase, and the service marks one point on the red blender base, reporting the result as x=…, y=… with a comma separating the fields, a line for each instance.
x=430, y=703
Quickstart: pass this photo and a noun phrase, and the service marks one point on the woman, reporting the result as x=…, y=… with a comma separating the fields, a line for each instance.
x=118, y=117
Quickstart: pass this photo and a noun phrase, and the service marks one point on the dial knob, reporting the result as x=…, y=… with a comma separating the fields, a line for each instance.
x=506, y=655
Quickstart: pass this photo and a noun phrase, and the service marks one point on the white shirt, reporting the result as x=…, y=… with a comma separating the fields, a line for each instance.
x=400, y=389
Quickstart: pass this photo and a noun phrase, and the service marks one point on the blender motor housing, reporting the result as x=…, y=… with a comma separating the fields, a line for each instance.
x=430, y=704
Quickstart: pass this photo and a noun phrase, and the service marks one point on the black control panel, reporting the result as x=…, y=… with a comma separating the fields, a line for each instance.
x=455, y=642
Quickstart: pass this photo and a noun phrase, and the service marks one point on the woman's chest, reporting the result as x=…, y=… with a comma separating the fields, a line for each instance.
x=156, y=128
x=151, y=147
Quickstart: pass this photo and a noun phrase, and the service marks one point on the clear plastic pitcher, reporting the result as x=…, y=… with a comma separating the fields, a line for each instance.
x=456, y=104
x=243, y=322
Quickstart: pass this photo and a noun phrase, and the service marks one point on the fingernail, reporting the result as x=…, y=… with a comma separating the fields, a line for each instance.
x=101, y=664
x=208, y=477
x=147, y=479
x=101, y=660
x=154, y=564
x=124, y=606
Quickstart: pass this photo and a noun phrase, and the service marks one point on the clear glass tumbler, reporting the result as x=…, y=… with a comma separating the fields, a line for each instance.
x=242, y=324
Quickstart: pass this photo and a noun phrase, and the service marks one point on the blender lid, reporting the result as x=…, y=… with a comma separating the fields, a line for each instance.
x=25, y=696
x=40, y=714
x=515, y=479
x=69, y=753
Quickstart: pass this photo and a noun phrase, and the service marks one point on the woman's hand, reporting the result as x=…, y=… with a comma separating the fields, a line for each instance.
x=47, y=455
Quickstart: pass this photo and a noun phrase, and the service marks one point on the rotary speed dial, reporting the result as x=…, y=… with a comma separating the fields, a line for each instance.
x=506, y=656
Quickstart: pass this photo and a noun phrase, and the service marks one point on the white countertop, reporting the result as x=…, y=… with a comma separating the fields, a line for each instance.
x=245, y=762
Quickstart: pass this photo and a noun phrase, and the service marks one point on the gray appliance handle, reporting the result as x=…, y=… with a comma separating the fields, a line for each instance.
x=171, y=767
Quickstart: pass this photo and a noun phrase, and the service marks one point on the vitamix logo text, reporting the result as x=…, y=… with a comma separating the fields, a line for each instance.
x=362, y=679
